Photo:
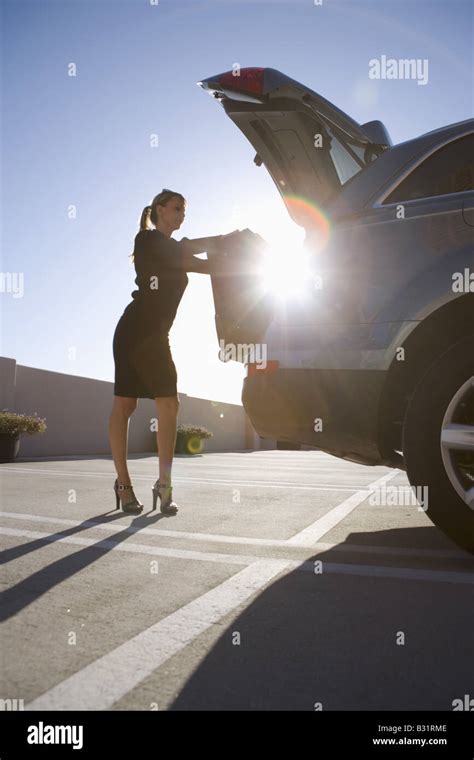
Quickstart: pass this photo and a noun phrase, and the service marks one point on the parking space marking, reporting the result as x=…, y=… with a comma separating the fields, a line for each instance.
x=115, y=527
x=311, y=535
x=185, y=479
x=127, y=547
x=403, y=573
x=106, y=680
x=335, y=465
x=292, y=468
x=398, y=573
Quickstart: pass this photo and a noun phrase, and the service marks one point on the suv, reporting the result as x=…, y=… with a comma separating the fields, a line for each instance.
x=376, y=364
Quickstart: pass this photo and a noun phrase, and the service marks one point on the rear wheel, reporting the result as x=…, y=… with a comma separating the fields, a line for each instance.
x=438, y=441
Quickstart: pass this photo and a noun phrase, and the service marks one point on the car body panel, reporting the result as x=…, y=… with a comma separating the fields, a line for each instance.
x=313, y=407
x=382, y=268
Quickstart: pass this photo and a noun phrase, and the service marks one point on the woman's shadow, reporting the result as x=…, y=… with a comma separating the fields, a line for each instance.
x=19, y=596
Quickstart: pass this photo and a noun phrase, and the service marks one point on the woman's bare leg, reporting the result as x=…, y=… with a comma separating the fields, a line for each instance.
x=123, y=407
x=167, y=407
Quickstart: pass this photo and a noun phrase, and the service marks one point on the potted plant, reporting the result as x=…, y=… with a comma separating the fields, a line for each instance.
x=189, y=439
x=12, y=425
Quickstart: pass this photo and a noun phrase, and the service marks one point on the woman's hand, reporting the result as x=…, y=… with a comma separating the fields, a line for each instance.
x=200, y=245
x=214, y=243
x=253, y=236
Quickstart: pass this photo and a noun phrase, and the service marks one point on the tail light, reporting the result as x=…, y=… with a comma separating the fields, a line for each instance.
x=244, y=80
x=248, y=82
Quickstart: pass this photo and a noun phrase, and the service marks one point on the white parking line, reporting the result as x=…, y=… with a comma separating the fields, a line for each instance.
x=274, y=455
x=108, y=679
x=131, y=547
x=251, y=466
x=403, y=573
x=120, y=527
x=103, y=682
x=184, y=479
x=311, y=535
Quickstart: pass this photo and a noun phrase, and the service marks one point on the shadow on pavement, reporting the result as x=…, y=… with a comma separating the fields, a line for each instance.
x=335, y=639
x=30, y=589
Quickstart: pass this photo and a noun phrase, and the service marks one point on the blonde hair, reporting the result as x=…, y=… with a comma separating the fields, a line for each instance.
x=149, y=216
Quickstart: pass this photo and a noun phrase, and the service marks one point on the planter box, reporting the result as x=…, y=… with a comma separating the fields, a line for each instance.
x=188, y=444
x=9, y=447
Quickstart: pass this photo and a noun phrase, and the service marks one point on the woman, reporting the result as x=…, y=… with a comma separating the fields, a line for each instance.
x=144, y=367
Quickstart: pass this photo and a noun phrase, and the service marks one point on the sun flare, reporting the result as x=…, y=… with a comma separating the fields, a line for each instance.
x=286, y=270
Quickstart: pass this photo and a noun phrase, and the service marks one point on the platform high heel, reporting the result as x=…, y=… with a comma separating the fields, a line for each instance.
x=133, y=506
x=165, y=492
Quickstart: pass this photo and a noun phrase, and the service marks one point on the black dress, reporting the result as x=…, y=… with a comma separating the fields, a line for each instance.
x=144, y=367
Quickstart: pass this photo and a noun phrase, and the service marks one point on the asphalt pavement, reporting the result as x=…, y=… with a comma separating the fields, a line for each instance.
x=285, y=582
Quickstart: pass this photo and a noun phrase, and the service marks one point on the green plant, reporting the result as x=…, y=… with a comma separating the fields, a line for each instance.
x=197, y=430
x=14, y=424
x=189, y=439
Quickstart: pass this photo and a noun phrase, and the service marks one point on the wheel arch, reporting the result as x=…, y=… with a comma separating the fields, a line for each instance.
x=430, y=338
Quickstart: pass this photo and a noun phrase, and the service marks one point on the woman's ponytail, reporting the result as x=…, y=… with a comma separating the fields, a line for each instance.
x=145, y=219
x=144, y=224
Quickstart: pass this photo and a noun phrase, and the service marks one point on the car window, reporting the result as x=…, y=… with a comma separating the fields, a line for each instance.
x=449, y=170
x=346, y=165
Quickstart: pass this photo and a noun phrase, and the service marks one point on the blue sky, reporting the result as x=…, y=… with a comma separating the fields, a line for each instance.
x=85, y=140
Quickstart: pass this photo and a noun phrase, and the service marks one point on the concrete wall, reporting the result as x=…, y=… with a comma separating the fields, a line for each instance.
x=77, y=411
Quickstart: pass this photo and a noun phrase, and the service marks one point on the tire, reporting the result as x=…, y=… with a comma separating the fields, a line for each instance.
x=445, y=392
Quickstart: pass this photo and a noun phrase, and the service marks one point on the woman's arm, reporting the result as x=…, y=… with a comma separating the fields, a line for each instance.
x=205, y=244
x=198, y=245
x=201, y=245
x=193, y=264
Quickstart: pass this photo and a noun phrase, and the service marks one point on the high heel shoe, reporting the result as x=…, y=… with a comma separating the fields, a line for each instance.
x=167, y=507
x=132, y=507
